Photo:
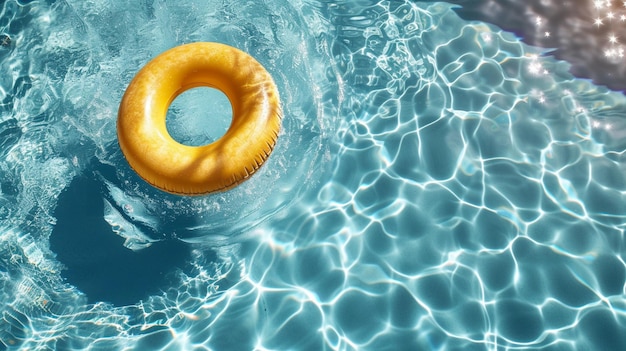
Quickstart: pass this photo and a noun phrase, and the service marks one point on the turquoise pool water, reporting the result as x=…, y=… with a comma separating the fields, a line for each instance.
x=438, y=185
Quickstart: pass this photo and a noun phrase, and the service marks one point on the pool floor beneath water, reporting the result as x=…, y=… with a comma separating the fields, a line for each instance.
x=96, y=261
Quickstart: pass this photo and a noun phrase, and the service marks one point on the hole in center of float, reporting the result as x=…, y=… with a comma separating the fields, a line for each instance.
x=199, y=116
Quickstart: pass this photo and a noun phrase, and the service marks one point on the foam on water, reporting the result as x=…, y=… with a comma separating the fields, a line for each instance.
x=437, y=185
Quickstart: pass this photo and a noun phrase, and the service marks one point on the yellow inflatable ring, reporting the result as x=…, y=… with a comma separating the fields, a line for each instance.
x=221, y=165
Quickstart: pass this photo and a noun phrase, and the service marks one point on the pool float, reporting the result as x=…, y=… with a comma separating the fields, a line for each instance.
x=218, y=166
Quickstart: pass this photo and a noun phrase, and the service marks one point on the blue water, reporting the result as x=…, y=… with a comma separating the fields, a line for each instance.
x=438, y=185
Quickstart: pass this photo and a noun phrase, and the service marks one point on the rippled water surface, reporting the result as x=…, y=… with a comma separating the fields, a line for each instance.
x=437, y=185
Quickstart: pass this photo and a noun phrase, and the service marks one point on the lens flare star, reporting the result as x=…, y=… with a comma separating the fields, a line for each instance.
x=585, y=33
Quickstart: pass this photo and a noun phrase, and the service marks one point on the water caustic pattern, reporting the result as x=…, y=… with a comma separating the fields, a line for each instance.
x=584, y=33
x=438, y=186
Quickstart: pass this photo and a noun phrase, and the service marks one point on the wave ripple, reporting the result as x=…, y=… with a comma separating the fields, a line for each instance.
x=438, y=185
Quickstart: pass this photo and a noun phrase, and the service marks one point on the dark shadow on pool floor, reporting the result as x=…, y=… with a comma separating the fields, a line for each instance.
x=97, y=262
